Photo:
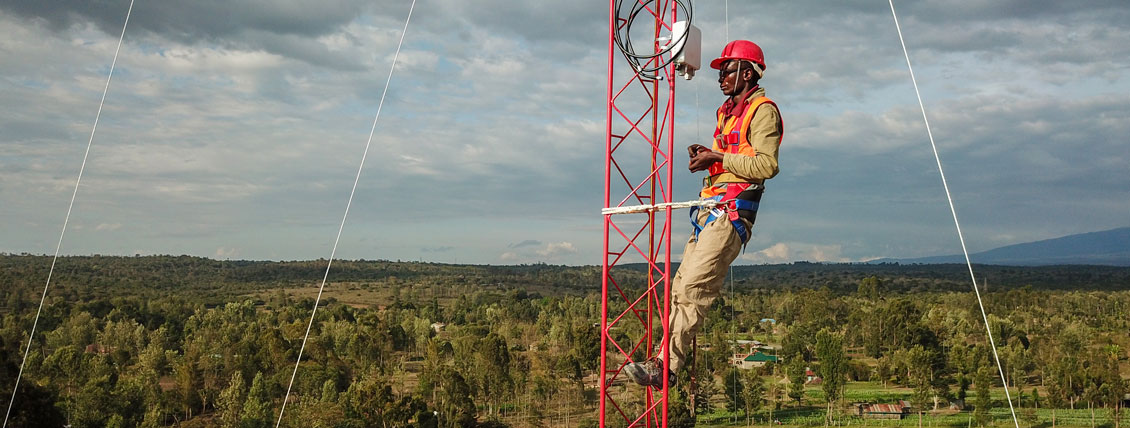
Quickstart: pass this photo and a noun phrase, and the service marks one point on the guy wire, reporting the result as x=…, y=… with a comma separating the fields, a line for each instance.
x=67, y=219
x=984, y=315
x=346, y=215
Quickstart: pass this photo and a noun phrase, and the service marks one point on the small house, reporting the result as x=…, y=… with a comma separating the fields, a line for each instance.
x=882, y=411
x=810, y=377
x=751, y=360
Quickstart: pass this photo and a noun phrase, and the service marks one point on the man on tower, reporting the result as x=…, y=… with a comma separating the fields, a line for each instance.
x=743, y=155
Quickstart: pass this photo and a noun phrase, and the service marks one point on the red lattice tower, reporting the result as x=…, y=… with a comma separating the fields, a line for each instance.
x=638, y=171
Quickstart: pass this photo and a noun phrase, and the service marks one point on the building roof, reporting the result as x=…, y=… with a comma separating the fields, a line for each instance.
x=760, y=357
x=882, y=408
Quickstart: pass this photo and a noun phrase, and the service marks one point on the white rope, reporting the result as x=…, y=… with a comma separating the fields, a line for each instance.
x=658, y=207
x=727, y=21
x=733, y=341
x=697, y=115
x=984, y=315
x=348, y=204
x=67, y=219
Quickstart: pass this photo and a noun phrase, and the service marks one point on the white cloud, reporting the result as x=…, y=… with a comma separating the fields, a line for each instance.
x=410, y=60
x=525, y=243
x=246, y=132
x=556, y=249
x=784, y=252
x=777, y=253
x=226, y=253
x=530, y=251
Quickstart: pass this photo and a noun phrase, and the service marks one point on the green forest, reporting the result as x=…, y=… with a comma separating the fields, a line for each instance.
x=179, y=341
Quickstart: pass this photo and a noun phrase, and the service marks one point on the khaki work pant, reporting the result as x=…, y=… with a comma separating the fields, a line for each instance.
x=699, y=281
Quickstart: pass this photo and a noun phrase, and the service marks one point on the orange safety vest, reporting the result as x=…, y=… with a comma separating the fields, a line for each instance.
x=736, y=141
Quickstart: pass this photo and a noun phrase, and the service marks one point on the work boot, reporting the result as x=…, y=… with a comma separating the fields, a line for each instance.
x=647, y=374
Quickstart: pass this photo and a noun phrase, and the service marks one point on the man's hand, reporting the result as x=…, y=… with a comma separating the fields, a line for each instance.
x=702, y=160
x=695, y=149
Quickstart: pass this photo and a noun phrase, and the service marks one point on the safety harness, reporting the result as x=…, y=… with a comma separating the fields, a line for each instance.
x=733, y=211
x=737, y=199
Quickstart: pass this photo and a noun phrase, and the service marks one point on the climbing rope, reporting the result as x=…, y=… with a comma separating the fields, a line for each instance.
x=67, y=219
x=727, y=21
x=734, y=341
x=733, y=321
x=348, y=204
x=984, y=315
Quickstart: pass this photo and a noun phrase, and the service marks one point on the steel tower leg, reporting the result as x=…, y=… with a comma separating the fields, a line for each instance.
x=639, y=145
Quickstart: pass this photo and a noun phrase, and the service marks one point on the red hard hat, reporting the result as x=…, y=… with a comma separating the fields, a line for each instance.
x=740, y=49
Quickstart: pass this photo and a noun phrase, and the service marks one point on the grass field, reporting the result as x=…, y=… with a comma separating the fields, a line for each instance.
x=812, y=413
x=812, y=416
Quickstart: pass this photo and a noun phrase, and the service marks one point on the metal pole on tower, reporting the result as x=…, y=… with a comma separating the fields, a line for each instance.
x=603, y=384
x=638, y=158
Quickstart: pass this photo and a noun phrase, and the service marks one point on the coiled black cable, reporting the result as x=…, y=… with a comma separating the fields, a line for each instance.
x=622, y=37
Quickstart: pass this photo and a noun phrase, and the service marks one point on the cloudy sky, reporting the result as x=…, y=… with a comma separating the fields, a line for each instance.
x=233, y=129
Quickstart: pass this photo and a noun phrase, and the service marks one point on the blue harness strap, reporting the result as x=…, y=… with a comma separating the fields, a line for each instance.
x=745, y=204
x=739, y=225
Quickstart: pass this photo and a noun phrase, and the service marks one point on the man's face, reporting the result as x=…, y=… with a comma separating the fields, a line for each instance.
x=729, y=78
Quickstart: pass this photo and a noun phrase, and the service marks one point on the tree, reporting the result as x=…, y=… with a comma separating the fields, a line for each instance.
x=796, y=371
x=703, y=389
x=872, y=331
x=870, y=288
x=230, y=401
x=492, y=358
x=678, y=410
x=833, y=365
x=93, y=405
x=35, y=407
x=960, y=360
x=753, y=395
x=1118, y=388
x=919, y=362
x=773, y=396
x=883, y=369
x=68, y=362
x=586, y=345
x=257, y=407
x=1056, y=389
x=1092, y=393
x=329, y=391
x=796, y=340
x=455, y=404
x=982, y=404
x=900, y=323
x=1019, y=363
x=734, y=389
x=188, y=382
x=369, y=399
x=154, y=418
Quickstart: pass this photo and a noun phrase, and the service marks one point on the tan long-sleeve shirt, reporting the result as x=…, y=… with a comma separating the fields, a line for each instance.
x=764, y=136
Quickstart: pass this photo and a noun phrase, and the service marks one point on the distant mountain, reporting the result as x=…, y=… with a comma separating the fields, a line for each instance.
x=1109, y=247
